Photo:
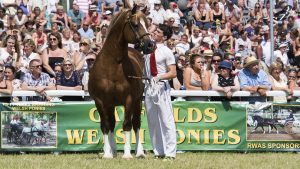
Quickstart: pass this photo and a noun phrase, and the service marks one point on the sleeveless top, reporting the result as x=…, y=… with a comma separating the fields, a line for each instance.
x=215, y=17
x=73, y=81
x=195, y=82
x=223, y=82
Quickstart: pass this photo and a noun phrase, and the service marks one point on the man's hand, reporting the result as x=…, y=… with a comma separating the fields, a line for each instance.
x=40, y=89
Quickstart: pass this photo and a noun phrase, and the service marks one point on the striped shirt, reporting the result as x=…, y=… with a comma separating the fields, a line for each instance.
x=43, y=80
x=83, y=5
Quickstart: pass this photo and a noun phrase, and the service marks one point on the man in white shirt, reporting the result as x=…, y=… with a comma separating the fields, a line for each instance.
x=158, y=13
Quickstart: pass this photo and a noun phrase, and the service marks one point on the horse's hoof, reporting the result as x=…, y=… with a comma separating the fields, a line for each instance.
x=107, y=156
x=140, y=155
x=127, y=156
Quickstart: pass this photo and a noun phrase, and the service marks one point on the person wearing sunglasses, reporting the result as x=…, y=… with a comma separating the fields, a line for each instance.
x=53, y=53
x=85, y=31
x=37, y=81
x=68, y=79
x=80, y=57
x=90, y=60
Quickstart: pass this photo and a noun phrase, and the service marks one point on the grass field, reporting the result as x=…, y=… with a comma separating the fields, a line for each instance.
x=188, y=160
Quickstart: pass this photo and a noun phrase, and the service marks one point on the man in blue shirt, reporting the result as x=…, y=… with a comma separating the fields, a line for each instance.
x=86, y=31
x=76, y=15
x=253, y=79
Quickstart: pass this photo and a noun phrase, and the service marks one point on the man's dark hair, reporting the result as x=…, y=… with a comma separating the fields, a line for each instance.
x=167, y=30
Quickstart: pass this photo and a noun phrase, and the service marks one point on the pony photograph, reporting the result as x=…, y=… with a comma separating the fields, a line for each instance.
x=273, y=122
x=28, y=129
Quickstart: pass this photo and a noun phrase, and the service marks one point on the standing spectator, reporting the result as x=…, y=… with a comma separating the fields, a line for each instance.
x=76, y=15
x=86, y=31
x=253, y=79
x=158, y=14
x=37, y=81
x=225, y=81
x=159, y=112
x=53, y=53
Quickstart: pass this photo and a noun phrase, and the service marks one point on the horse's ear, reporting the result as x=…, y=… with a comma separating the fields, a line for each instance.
x=134, y=9
x=144, y=10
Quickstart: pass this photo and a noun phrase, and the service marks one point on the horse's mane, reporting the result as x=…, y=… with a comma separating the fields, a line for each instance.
x=122, y=17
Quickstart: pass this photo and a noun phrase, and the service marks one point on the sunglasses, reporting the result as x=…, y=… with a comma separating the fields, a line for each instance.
x=216, y=61
x=37, y=66
x=67, y=64
x=83, y=44
x=172, y=20
x=90, y=60
x=52, y=39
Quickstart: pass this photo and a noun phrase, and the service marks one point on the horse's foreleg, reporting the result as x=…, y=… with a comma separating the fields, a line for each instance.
x=127, y=126
x=107, y=127
x=136, y=122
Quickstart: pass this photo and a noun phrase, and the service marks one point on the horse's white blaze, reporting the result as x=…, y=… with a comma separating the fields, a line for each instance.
x=142, y=22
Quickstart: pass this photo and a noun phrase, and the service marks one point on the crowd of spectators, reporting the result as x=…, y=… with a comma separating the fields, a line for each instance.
x=222, y=45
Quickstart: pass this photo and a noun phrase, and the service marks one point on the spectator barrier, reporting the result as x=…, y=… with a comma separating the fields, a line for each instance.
x=226, y=126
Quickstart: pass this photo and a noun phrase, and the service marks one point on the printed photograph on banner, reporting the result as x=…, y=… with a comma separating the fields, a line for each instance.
x=28, y=129
x=273, y=122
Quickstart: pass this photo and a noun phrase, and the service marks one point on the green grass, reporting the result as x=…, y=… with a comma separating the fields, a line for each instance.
x=184, y=160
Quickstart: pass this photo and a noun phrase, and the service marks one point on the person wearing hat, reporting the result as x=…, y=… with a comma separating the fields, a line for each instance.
x=253, y=79
x=225, y=82
x=281, y=54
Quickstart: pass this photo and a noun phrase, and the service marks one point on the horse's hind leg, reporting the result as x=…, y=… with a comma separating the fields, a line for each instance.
x=136, y=122
x=107, y=128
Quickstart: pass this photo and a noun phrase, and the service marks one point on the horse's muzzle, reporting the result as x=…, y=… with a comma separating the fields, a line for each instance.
x=145, y=46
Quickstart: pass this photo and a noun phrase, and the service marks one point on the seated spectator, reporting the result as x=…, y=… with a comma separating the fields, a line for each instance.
x=5, y=86
x=74, y=46
x=38, y=16
x=158, y=13
x=37, y=81
x=20, y=18
x=93, y=17
x=225, y=81
x=76, y=15
x=90, y=59
x=253, y=79
x=86, y=31
x=279, y=83
x=67, y=41
x=69, y=79
x=60, y=18
x=29, y=30
x=53, y=54
x=3, y=17
x=202, y=16
x=281, y=54
x=183, y=46
x=9, y=74
x=101, y=35
x=26, y=56
x=80, y=57
x=39, y=38
x=195, y=77
x=174, y=12
x=10, y=52
x=177, y=83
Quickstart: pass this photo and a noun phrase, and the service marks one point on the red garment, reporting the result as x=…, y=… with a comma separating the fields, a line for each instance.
x=153, y=68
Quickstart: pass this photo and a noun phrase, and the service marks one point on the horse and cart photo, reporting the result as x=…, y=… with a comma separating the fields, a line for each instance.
x=269, y=121
x=31, y=129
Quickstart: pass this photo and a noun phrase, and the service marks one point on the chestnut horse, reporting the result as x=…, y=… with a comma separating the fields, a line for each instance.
x=111, y=81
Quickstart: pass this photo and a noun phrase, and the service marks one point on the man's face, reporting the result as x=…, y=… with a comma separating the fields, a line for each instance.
x=158, y=35
x=36, y=67
x=254, y=68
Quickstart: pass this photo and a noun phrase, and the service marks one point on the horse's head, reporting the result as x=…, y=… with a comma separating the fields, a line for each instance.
x=136, y=31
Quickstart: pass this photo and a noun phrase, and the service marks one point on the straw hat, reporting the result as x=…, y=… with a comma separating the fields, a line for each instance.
x=250, y=60
x=208, y=53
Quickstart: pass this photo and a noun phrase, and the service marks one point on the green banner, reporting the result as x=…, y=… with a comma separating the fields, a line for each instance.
x=229, y=126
